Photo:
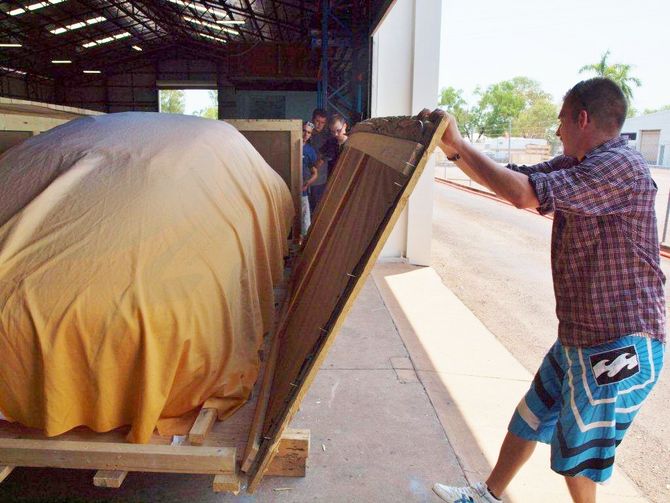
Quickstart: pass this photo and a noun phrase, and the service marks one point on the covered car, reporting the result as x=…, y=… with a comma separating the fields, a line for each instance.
x=138, y=255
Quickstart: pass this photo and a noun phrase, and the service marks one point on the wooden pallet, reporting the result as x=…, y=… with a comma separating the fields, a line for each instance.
x=211, y=448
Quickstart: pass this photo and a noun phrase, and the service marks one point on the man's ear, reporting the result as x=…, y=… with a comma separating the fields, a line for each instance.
x=583, y=119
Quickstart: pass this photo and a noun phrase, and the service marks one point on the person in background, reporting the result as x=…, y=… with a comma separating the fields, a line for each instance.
x=319, y=137
x=320, y=133
x=309, y=175
x=330, y=151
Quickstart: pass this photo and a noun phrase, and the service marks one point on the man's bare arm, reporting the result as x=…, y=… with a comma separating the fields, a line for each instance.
x=508, y=184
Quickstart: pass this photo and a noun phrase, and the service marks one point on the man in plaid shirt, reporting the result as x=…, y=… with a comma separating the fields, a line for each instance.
x=609, y=293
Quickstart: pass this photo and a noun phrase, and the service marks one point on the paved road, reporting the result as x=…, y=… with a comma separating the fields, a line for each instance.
x=495, y=258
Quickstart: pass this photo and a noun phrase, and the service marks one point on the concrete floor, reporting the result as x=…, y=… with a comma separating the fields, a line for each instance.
x=403, y=371
x=474, y=383
x=374, y=436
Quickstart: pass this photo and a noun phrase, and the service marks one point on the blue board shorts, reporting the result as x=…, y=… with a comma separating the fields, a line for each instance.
x=582, y=401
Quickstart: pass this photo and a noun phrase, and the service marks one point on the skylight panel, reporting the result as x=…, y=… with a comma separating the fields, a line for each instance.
x=12, y=70
x=218, y=39
x=200, y=8
x=80, y=24
x=210, y=25
x=34, y=6
x=106, y=40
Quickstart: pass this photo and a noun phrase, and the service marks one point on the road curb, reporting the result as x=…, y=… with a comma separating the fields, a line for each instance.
x=664, y=248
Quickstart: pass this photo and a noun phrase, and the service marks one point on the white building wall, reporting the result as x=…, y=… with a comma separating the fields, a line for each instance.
x=656, y=121
x=405, y=79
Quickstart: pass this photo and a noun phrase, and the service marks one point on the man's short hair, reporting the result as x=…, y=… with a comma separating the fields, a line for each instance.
x=337, y=118
x=319, y=112
x=602, y=99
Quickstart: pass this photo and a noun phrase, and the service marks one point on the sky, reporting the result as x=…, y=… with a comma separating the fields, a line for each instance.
x=196, y=100
x=486, y=41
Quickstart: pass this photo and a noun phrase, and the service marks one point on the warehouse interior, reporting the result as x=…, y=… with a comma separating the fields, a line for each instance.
x=114, y=56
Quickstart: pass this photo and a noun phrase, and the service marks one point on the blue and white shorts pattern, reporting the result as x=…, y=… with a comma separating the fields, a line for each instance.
x=582, y=401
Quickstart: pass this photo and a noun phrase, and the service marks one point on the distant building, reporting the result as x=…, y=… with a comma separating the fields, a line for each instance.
x=650, y=134
x=517, y=150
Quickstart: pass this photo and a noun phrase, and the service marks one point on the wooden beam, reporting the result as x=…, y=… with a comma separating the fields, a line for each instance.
x=294, y=441
x=287, y=467
x=227, y=483
x=109, y=478
x=256, y=429
x=291, y=457
x=5, y=471
x=202, y=425
x=117, y=456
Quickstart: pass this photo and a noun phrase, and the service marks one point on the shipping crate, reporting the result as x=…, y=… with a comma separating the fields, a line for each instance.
x=279, y=141
x=378, y=168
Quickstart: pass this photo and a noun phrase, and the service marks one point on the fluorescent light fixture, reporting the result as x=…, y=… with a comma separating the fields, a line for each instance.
x=8, y=44
x=80, y=24
x=218, y=39
x=106, y=40
x=12, y=70
x=230, y=21
x=210, y=25
x=61, y=61
x=137, y=48
x=200, y=8
x=92, y=71
x=34, y=6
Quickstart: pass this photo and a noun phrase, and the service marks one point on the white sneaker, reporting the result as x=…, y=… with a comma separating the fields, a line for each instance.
x=477, y=493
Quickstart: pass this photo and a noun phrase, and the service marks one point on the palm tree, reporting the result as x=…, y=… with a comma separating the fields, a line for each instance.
x=617, y=72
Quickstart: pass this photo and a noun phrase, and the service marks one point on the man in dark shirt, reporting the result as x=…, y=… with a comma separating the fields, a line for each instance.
x=319, y=137
x=608, y=286
x=309, y=159
x=330, y=151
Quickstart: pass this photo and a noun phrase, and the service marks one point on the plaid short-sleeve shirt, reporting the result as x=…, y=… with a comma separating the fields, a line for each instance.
x=604, y=246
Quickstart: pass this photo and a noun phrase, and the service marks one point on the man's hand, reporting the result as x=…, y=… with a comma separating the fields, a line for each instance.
x=451, y=139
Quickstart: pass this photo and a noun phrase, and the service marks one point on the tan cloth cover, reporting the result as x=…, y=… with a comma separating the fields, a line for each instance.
x=138, y=253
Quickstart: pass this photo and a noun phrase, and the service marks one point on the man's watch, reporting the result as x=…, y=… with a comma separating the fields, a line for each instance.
x=455, y=158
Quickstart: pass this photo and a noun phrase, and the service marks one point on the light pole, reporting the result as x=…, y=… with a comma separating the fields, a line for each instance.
x=509, y=142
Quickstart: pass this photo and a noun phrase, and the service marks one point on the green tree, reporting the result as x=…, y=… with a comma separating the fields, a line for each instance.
x=453, y=102
x=519, y=102
x=618, y=72
x=172, y=101
x=211, y=111
x=654, y=110
x=499, y=104
x=539, y=116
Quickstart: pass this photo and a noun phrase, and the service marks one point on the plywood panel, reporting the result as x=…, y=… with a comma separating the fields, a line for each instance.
x=380, y=165
x=275, y=147
x=280, y=143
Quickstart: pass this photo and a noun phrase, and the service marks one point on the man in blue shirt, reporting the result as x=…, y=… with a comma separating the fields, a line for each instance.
x=309, y=175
